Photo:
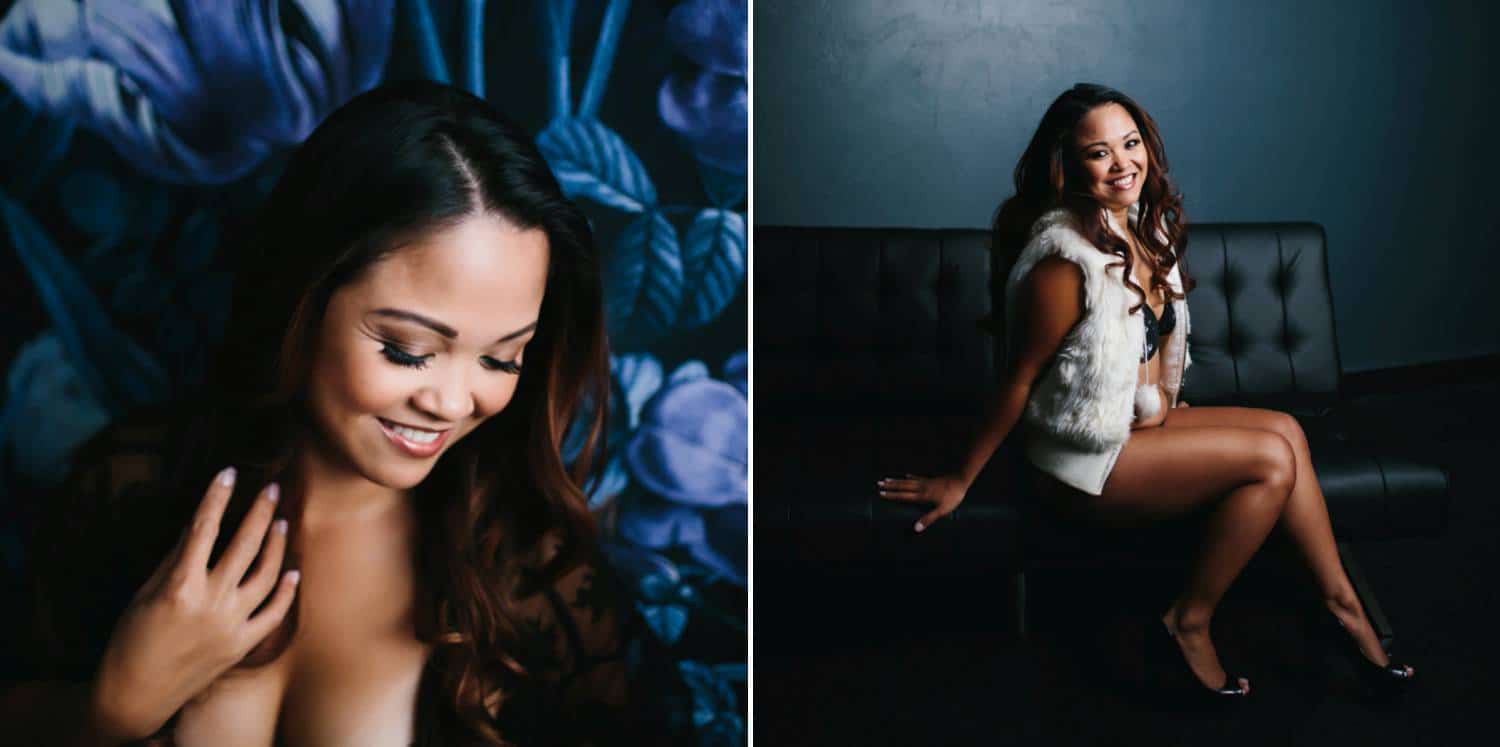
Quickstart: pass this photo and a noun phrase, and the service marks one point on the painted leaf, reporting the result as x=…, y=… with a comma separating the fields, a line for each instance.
x=93, y=343
x=714, y=257
x=667, y=621
x=725, y=189
x=643, y=286
x=194, y=93
x=639, y=376
x=608, y=483
x=593, y=162
x=653, y=576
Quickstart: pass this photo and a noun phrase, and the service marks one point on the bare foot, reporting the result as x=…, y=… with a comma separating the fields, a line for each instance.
x=1352, y=616
x=1198, y=650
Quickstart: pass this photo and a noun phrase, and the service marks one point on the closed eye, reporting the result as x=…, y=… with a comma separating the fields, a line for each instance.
x=510, y=367
x=400, y=357
x=395, y=354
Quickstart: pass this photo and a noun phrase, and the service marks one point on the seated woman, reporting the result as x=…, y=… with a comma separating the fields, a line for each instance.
x=361, y=529
x=1096, y=330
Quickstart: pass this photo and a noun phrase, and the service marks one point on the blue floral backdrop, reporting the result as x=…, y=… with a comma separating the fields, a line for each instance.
x=137, y=133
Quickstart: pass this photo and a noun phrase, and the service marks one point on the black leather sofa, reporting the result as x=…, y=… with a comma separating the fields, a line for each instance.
x=872, y=358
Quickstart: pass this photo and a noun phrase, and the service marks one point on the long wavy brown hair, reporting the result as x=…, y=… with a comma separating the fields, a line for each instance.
x=392, y=164
x=1049, y=175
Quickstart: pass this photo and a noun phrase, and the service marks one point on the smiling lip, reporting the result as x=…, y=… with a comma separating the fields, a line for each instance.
x=1115, y=182
x=411, y=448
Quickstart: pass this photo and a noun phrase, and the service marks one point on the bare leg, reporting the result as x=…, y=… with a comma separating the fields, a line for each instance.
x=1305, y=518
x=1242, y=475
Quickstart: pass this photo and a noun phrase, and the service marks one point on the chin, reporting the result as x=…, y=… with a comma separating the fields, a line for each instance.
x=397, y=477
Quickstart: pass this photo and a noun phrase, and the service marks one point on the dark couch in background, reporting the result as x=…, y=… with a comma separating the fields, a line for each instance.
x=871, y=359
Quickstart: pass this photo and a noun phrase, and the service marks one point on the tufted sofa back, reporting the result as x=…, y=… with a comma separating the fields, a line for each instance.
x=1262, y=315
x=847, y=320
x=855, y=320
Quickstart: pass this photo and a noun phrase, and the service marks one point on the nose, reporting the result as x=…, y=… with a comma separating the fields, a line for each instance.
x=449, y=399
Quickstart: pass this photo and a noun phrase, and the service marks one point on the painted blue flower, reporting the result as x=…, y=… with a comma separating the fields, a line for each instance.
x=691, y=447
x=713, y=33
x=690, y=453
x=195, y=93
x=709, y=107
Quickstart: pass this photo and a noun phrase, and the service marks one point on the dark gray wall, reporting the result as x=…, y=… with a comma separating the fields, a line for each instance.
x=1377, y=120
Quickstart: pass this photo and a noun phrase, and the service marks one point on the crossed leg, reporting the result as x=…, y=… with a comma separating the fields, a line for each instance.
x=1241, y=476
x=1305, y=516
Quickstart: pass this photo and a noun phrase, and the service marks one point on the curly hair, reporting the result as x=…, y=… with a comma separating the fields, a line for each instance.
x=392, y=164
x=1049, y=175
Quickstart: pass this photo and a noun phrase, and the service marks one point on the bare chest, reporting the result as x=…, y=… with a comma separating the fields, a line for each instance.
x=349, y=676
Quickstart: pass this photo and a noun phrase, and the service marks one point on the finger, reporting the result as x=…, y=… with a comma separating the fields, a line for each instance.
x=909, y=496
x=900, y=484
x=932, y=516
x=198, y=543
x=263, y=622
x=268, y=568
x=236, y=558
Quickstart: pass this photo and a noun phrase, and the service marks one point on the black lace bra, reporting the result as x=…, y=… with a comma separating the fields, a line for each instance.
x=1155, y=328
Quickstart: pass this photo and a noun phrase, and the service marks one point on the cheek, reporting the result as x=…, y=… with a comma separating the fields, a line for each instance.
x=353, y=383
x=496, y=397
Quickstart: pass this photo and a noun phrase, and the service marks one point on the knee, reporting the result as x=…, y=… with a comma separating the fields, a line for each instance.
x=1289, y=429
x=1276, y=464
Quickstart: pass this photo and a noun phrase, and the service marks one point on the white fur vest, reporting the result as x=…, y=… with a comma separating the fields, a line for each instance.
x=1088, y=395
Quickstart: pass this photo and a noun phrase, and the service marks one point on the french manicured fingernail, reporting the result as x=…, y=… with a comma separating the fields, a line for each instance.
x=226, y=476
x=273, y=492
x=920, y=527
x=293, y=576
x=279, y=525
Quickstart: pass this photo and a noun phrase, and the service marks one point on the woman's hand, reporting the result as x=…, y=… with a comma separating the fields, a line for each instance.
x=947, y=491
x=190, y=623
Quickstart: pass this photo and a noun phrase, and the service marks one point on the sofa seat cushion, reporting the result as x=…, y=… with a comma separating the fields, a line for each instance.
x=816, y=499
x=1371, y=494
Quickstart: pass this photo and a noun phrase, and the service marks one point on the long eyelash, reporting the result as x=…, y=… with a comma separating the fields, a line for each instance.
x=402, y=358
x=510, y=367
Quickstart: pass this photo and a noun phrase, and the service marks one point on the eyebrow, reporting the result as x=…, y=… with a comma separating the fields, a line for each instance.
x=1101, y=142
x=439, y=327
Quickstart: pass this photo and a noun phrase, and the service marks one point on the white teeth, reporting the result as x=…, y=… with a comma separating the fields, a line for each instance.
x=1124, y=183
x=416, y=437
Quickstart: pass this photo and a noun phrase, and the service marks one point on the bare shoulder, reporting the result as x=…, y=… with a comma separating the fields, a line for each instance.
x=1056, y=290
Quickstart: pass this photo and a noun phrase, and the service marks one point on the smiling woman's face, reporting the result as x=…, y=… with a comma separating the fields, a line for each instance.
x=1109, y=146
x=425, y=346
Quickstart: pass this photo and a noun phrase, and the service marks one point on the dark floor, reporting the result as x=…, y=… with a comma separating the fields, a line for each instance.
x=936, y=662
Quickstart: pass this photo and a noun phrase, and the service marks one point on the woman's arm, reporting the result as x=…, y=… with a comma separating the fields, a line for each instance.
x=1054, y=304
x=103, y=670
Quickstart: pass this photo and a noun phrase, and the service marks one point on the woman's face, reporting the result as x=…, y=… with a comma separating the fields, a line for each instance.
x=425, y=346
x=1109, y=145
